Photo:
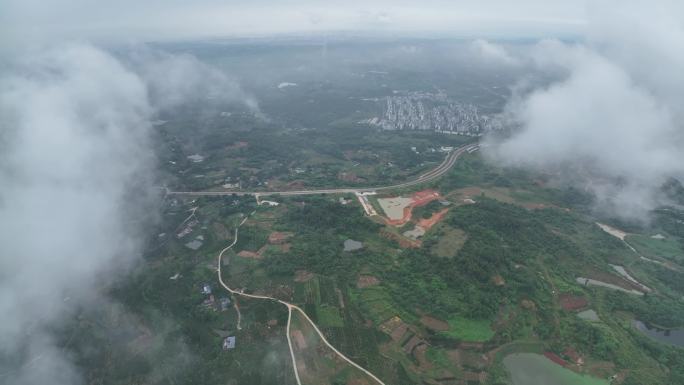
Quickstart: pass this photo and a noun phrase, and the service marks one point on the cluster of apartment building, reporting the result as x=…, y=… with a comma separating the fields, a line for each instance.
x=434, y=112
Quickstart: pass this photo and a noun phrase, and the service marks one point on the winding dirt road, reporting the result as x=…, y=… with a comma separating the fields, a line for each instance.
x=433, y=174
x=290, y=308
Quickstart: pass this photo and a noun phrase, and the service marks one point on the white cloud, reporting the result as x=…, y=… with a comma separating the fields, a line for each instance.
x=76, y=170
x=494, y=53
x=74, y=138
x=31, y=20
x=614, y=116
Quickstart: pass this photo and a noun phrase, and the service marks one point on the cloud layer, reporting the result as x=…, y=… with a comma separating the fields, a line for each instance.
x=614, y=119
x=75, y=126
x=76, y=170
x=179, y=19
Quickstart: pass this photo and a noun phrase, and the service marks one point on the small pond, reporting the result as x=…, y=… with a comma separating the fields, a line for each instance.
x=671, y=336
x=535, y=369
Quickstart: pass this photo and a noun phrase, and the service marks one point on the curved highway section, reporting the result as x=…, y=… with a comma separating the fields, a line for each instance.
x=431, y=175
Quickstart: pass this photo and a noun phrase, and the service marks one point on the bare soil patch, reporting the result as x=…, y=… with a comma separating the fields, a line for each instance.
x=279, y=237
x=399, y=209
x=249, y=254
x=434, y=323
x=299, y=338
x=366, y=281
x=303, y=275
x=404, y=242
x=433, y=220
x=571, y=302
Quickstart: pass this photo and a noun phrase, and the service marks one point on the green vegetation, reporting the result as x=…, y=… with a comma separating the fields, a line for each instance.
x=667, y=248
x=377, y=304
x=469, y=330
x=329, y=316
x=448, y=242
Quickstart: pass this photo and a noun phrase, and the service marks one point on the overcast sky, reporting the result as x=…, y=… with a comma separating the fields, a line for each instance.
x=30, y=20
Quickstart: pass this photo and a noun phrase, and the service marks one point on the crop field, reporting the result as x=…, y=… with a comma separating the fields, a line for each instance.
x=329, y=316
x=377, y=304
x=317, y=364
x=469, y=330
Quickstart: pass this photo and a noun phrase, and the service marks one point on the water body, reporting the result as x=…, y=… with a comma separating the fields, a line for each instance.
x=352, y=245
x=589, y=315
x=673, y=337
x=535, y=369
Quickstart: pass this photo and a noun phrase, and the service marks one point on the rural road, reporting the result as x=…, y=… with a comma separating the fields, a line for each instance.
x=290, y=308
x=431, y=175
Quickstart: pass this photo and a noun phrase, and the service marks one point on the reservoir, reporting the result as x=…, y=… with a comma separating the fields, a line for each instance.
x=535, y=369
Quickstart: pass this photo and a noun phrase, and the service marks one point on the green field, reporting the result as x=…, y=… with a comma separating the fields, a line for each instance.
x=377, y=304
x=450, y=241
x=469, y=330
x=329, y=316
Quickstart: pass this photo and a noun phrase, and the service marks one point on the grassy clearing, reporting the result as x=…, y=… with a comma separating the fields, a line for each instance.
x=450, y=242
x=469, y=330
x=329, y=316
x=439, y=358
x=377, y=304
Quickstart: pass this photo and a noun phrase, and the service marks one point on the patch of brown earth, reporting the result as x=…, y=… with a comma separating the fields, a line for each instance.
x=433, y=220
x=411, y=344
x=434, y=323
x=571, y=302
x=295, y=185
x=239, y=144
x=535, y=206
x=475, y=377
x=358, y=381
x=395, y=327
x=474, y=360
x=366, y=281
x=419, y=198
x=403, y=242
x=455, y=357
x=420, y=354
x=249, y=254
x=279, y=237
x=471, y=345
x=303, y=275
x=498, y=280
x=469, y=192
x=350, y=177
x=528, y=305
x=299, y=339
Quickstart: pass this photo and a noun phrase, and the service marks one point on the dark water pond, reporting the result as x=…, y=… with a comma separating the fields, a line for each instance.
x=673, y=336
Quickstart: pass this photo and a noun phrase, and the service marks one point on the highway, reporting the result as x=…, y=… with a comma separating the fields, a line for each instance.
x=431, y=175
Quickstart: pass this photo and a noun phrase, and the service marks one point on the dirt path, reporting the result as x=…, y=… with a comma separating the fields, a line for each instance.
x=290, y=308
